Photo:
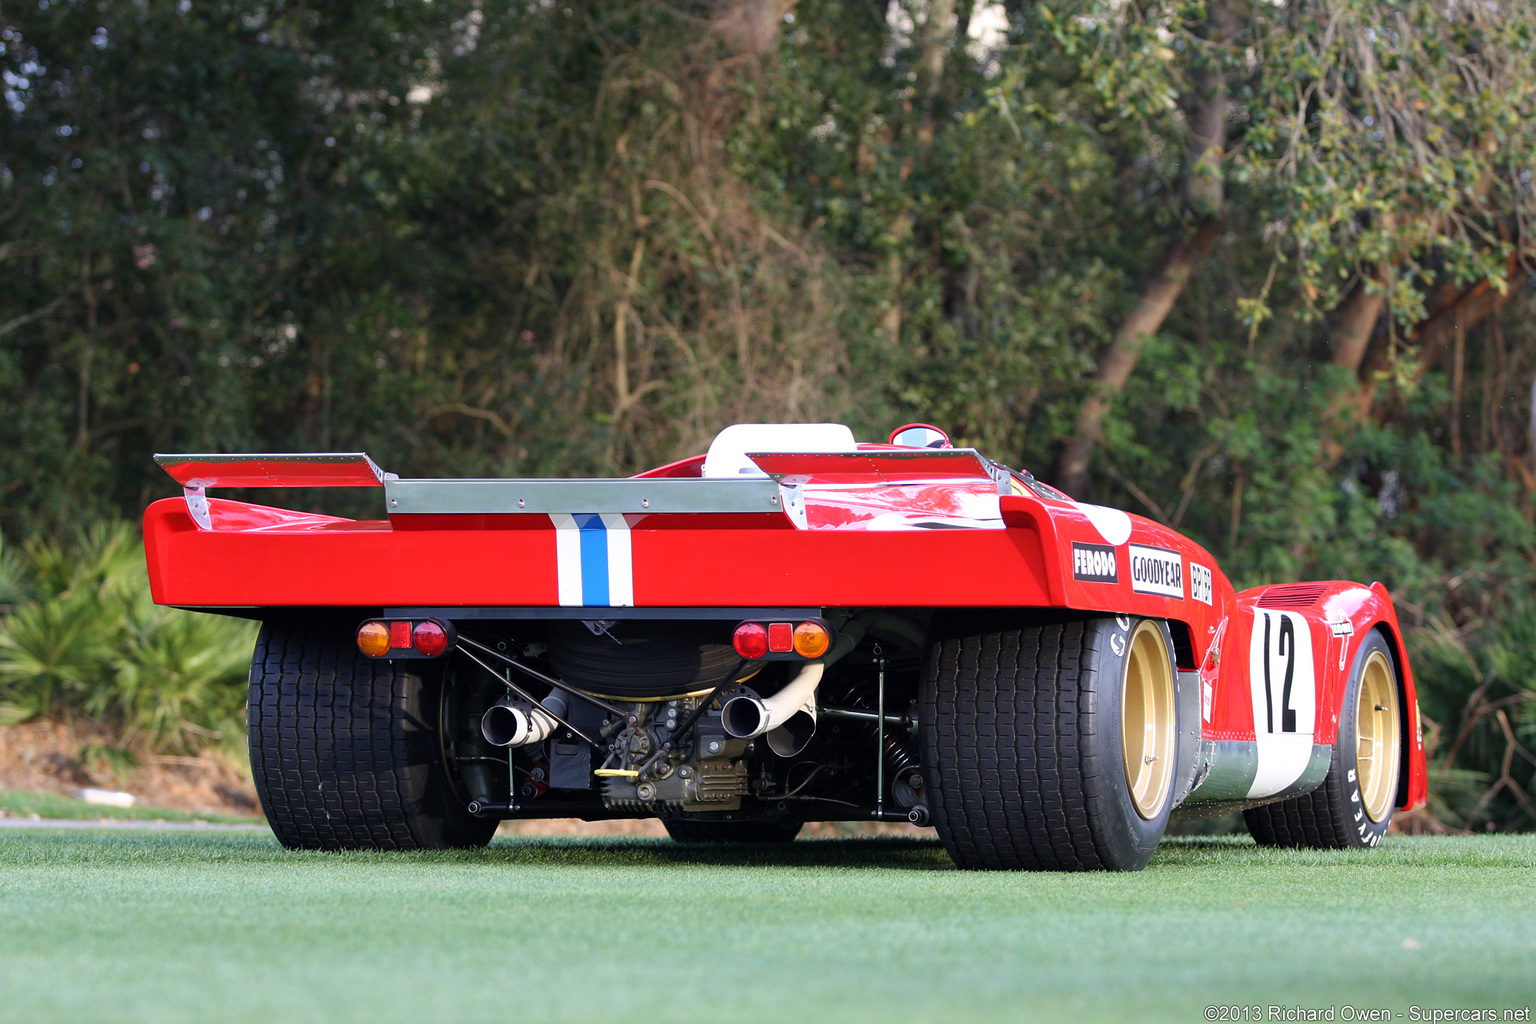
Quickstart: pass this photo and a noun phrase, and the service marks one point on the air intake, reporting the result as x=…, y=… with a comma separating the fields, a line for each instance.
x=1293, y=595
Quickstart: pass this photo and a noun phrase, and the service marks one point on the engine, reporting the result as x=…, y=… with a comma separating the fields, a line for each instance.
x=651, y=768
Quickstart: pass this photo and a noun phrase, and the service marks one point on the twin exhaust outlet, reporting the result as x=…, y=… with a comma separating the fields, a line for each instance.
x=788, y=717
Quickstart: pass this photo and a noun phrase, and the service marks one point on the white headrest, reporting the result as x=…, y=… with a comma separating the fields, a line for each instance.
x=727, y=455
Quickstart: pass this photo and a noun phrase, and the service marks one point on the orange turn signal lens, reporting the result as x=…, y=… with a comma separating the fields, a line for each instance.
x=373, y=639
x=812, y=640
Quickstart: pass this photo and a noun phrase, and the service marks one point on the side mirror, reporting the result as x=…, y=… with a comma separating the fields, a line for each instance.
x=919, y=435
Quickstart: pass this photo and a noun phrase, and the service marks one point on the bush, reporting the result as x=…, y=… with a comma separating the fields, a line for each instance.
x=84, y=637
x=1477, y=691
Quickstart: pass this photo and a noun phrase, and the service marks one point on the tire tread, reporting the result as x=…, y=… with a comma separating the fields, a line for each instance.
x=1013, y=794
x=340, y=756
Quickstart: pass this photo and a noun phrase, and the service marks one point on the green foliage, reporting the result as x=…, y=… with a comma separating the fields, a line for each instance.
x=1390, y=138
x=89, y=640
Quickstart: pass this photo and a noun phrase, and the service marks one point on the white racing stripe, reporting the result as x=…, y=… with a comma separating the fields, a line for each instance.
x=567, y=558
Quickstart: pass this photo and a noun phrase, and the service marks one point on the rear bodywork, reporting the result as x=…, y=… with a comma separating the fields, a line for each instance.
x=940, y=537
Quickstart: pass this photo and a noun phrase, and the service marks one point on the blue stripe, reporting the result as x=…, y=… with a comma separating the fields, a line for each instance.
x=594, y=560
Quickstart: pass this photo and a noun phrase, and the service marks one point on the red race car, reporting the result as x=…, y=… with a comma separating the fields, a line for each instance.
x=792, y=627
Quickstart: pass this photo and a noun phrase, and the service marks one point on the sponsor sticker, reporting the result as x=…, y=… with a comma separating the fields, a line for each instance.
x=1200, y=582
x=1094, y=563
x=1342, y=630
x=1157, y=571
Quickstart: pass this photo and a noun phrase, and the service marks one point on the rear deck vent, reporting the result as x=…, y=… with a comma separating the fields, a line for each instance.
x=1292, y=595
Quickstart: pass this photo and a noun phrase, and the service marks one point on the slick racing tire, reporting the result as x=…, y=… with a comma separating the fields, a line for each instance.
x=1052, y=748
x=345, y=751
x=733, y=831
x=1353, y=806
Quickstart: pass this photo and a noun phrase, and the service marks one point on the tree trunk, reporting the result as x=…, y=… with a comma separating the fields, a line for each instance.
x=750, y=26
x=937, y=32
x=1357, y=323
x=1204, y=193
x=1358, y=348
x=87, y=356
x=935, y=47
x=1119, y=359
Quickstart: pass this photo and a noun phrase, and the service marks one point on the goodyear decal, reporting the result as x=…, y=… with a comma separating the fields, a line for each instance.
x=1157, y=571
x=594, y=560
x=1283, y=683
x=1094, y=563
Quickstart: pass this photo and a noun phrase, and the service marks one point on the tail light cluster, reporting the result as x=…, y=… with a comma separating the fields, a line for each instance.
x=404, y=638
x=782, y=640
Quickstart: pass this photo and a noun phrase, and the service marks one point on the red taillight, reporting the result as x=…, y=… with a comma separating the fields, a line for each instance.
x=751, y=640
x=429, y=638
x=373, y=639
x=781, y=637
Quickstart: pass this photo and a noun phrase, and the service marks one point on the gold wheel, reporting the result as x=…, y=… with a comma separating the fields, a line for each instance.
x=1147, y=727
x=1376, y=737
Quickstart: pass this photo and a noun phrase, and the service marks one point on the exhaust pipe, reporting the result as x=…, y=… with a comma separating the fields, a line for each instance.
x=516, y=723
x=789, y=716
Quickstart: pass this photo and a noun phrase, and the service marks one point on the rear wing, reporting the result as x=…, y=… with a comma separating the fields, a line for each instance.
x=778, y=490
x=197, y=473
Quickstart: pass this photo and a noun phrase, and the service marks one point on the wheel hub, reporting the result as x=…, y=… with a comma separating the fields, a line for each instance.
x=1376, y=735
x=1147, y=725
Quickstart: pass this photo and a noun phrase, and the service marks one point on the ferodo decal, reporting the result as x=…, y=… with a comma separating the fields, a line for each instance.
x=1283, y=682
x=1200, y=582
x=1094, y=563
x=1157, y=571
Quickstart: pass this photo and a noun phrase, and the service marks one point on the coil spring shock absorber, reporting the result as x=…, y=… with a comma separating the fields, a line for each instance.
x=906, y=773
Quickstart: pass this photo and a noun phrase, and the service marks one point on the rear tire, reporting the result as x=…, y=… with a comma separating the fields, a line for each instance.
x=345, y=751
x=1353, y=807
x=733, y=831
x=1025, y=747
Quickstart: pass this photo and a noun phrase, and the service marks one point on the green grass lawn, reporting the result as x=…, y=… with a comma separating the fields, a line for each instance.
x=229, y=927
x=26, y=803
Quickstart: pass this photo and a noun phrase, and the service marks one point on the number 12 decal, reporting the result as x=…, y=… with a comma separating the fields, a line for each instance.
x=1281, y=674
x=1283, y=683
x=1285, y=650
